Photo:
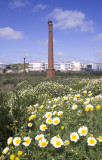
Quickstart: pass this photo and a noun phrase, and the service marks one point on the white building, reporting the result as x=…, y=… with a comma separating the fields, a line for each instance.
x=99, y=66
x=93, y=66
x=36, y=66
x=2, y=66
x=39, y=66
x=62, y=66
x=76, y=66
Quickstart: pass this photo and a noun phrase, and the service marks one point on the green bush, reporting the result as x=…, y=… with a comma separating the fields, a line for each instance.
x=5, y=121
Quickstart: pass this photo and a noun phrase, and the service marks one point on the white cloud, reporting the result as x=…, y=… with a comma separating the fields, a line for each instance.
x=39, y=7
x=16, y=4
x=68, y=19
x=60, y=54
x=45, y=42
x=98, y=53
x=98, y=37
x=42, y=42
x=9, y=34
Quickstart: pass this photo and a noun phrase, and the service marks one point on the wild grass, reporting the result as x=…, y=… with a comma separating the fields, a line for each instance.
x=25, y=95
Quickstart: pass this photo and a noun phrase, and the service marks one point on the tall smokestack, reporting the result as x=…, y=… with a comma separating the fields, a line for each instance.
x=50, y=70
x=24, y=64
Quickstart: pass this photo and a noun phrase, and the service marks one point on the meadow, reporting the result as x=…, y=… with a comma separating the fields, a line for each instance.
x=44, y=119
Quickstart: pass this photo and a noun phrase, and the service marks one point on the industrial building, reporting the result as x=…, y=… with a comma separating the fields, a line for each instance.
x=2, y=66
x=93, y=67
x=42, y=66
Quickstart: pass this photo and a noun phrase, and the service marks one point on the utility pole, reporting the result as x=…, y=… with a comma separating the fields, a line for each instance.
x=24, y=64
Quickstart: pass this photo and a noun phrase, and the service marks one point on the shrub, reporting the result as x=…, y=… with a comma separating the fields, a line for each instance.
x=5, y=121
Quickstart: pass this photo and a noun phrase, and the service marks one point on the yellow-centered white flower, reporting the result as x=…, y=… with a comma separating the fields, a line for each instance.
x=100, y=138
x=10, y=140
x=82, y=131
x=43, y=143
x=53, y=139
x=66, y=142
x=27, y=141
x=17, y=141
x=56, y=120
x=39, y=137
x=55, y=113
x=60, y=113
x=49, y=120
x=91, y=141
x=57, y=143
x=74, y=107
x=43, y=127
x=29, y=124
x=48, y=114
x=74, y=137
x=6, y=150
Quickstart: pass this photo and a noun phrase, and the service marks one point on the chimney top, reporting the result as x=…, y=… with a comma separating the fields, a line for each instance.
x=49, y=22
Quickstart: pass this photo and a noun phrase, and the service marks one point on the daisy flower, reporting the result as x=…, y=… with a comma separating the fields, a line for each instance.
x=53, y=139
x=77, y=95
x=100, y=139
x=75, y=99
x=89, y=106
x=27, y=141
x=33, y=116
x=53, y=106
x=6, y=150
x=16, y=141
x=36, y=105
x=49, y=120
x=90, y=94
x=55, y=99
x=83, y=131
x=74, y=137
x=43, y=127
x=43, y=143
x=85, y=91
x=56, y=121
x=55, y=113
x=29, y=124
x=74, y=107
x=65, y=98
x=60, y=113
x=86, y=102
x=66, y=142
x=48, y=114
x=10, y=140
x=57, y=143
x=39, y=137
x=41, y=106
x=91, y=141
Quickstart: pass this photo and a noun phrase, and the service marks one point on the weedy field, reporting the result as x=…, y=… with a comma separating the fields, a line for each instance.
x=44, y=119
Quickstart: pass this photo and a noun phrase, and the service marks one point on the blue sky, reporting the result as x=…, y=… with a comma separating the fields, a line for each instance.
x=77, y=30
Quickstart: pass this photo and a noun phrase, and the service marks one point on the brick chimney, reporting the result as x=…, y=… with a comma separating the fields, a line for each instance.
x=50, y=70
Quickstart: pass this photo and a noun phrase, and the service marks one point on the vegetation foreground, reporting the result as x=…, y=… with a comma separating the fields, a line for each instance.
x=52, y=120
